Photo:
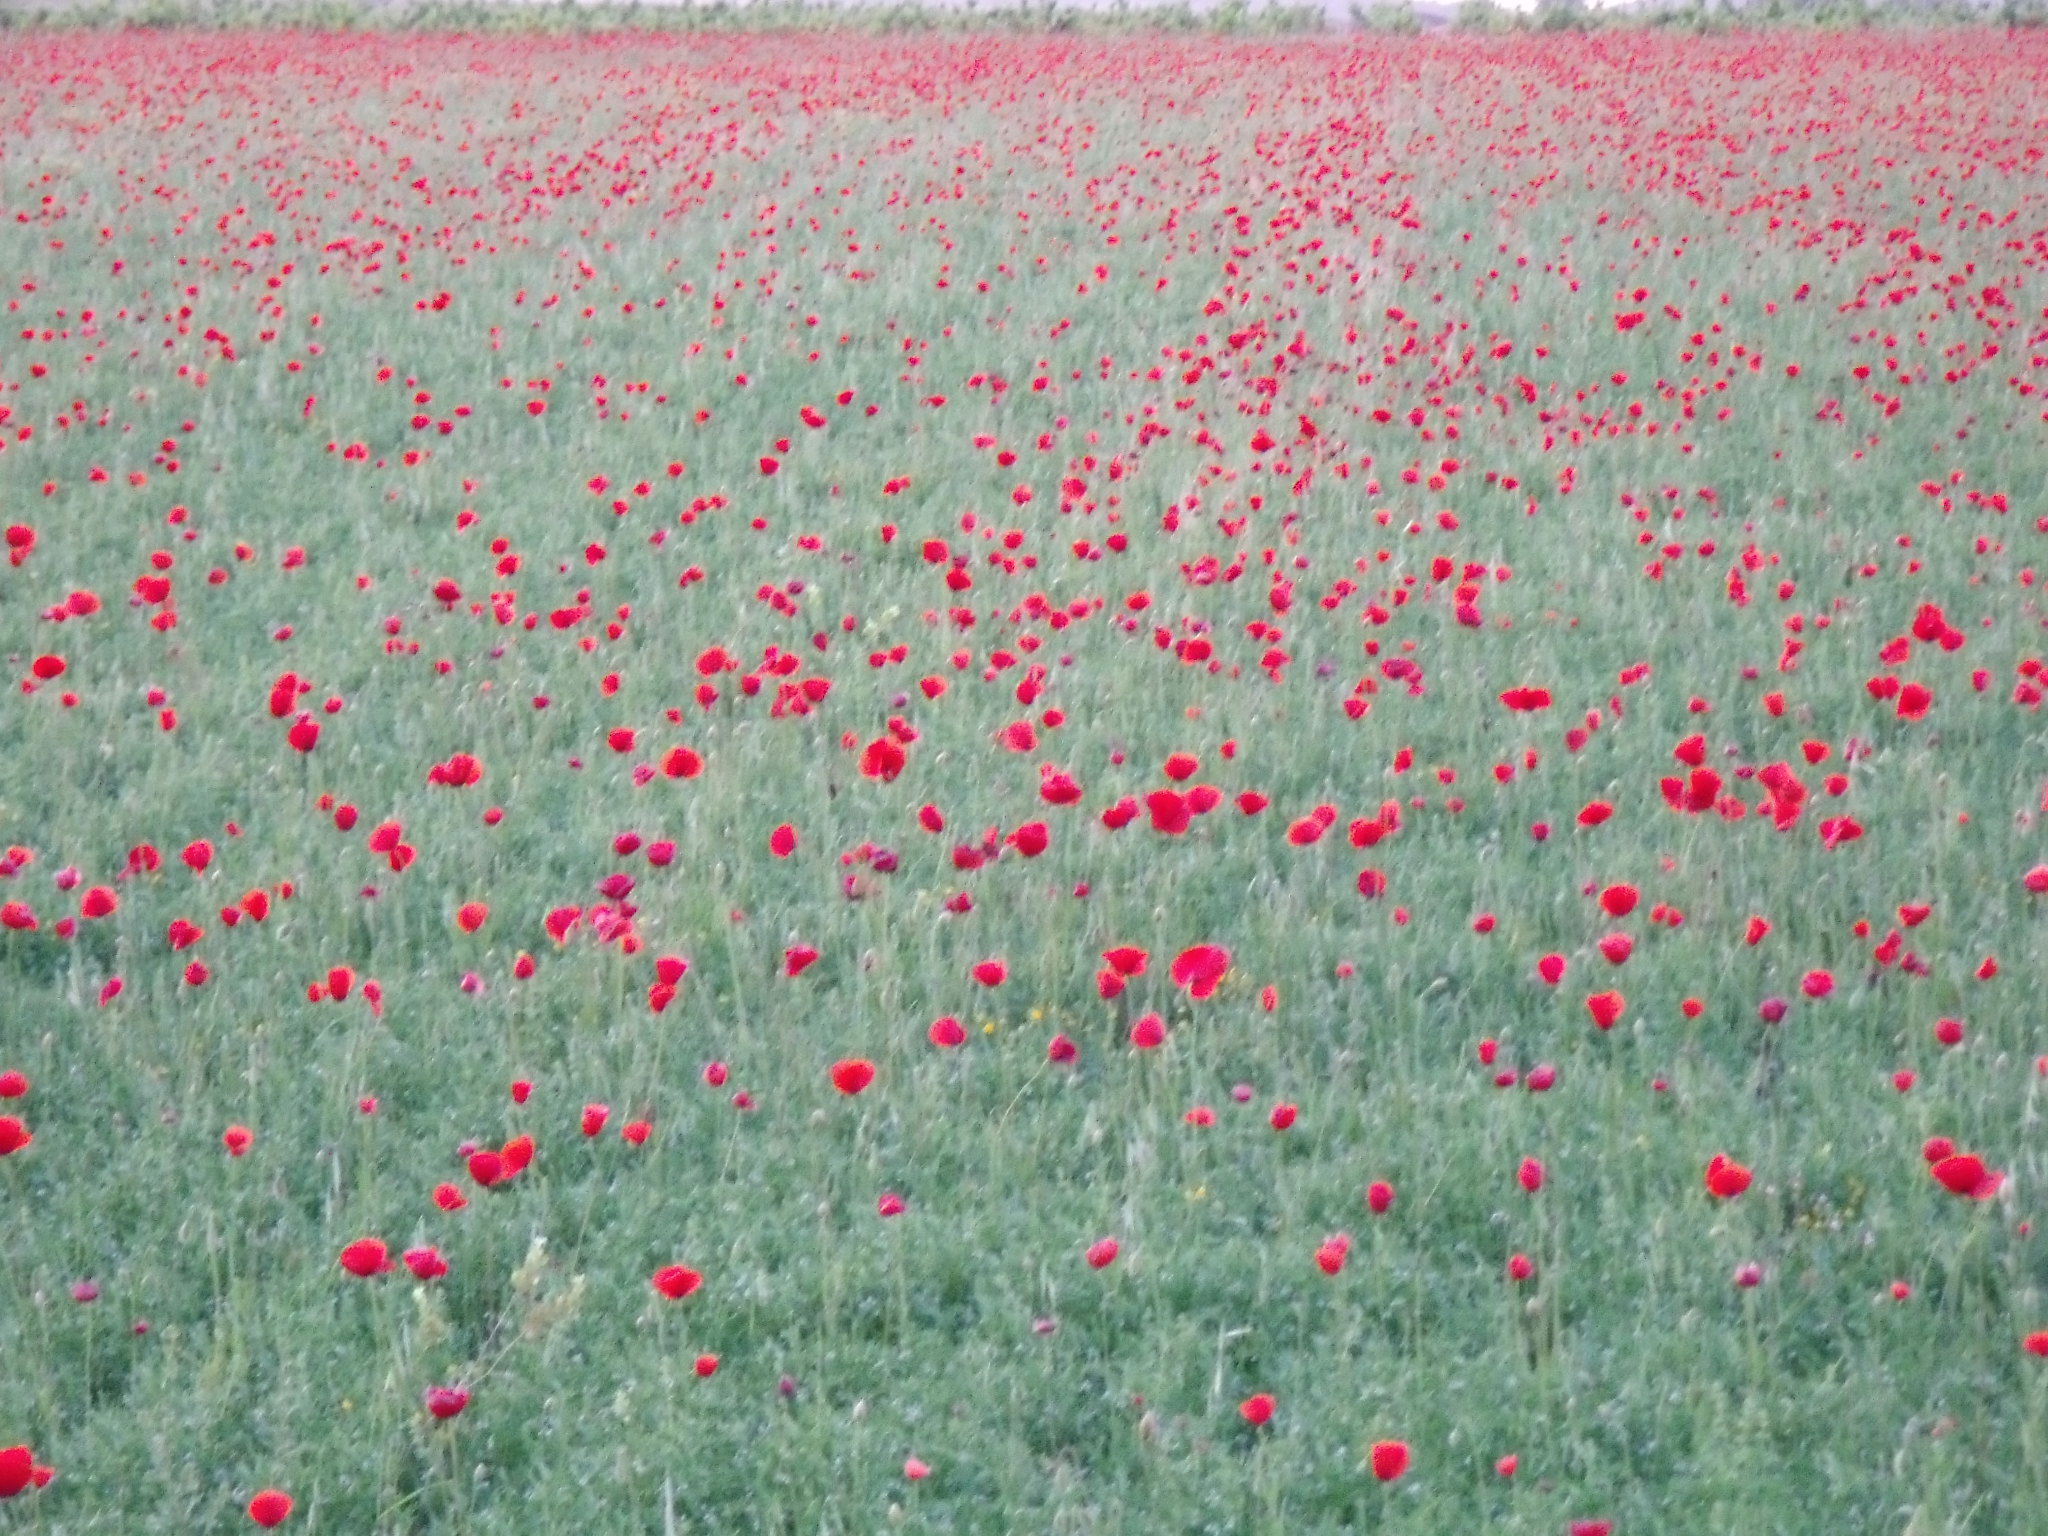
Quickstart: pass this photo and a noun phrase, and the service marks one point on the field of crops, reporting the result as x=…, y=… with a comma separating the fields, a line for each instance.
x=1009, y=784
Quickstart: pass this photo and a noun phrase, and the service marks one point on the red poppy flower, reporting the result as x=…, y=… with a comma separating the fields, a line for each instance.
x=882, y=759
x=1201, y=969
x=1605, y=1007
x=13, y=1135
x=1389, y=1460
x=515, y=1155
x=1169, y=812
x=1725, y=1178
x=270, y=1508
x=1126, y=960
x=1965, y=1174
x=366, y=1256
x=850, y=1077
x=17, y=1470
x=675, y=1281
x=1031, y=839
x=1618, y=900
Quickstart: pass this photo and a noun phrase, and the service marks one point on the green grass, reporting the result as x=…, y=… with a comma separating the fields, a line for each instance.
x=1238, y=195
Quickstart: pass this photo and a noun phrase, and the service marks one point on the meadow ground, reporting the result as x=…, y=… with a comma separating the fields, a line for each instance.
x=1259, y=786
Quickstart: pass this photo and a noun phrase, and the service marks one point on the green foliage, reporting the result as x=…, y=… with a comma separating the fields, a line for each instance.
x=1485, y=16
x=1629, y=1374
x=1562, y=16
x=1829, y=15
x=1388, y=16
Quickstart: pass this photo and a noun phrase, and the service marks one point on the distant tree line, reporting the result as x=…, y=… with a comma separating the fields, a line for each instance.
x=1714, y=15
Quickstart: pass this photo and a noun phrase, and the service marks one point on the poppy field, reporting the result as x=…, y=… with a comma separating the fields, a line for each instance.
x=1001, y=783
